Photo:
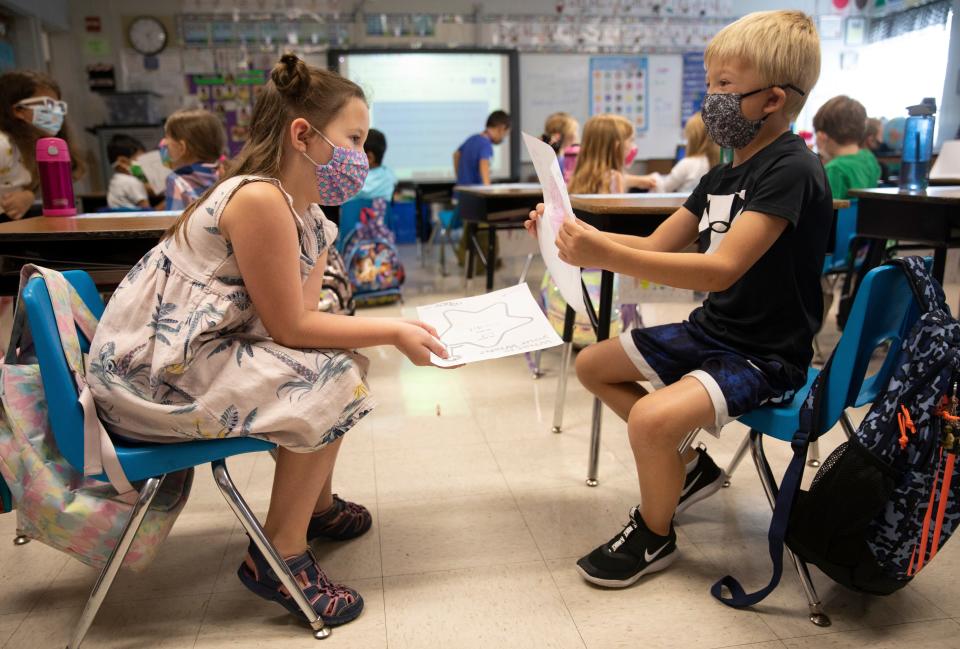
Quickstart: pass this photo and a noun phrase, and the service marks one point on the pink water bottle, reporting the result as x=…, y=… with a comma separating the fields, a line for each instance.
x=56, y=180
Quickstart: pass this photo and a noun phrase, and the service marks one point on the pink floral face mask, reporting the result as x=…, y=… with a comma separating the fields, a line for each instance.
x=342, y=178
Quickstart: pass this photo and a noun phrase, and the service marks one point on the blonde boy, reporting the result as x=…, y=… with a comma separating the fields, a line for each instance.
x=762, y=222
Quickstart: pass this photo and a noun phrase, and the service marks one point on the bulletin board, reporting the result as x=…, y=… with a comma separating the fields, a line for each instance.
x=555, y=82
x=619, y=85
x=230, y=97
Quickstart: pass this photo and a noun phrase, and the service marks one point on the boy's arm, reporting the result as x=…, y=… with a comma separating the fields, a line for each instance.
x=749, y=238
x=456, y=162
x=674, y=234
x=485, y=170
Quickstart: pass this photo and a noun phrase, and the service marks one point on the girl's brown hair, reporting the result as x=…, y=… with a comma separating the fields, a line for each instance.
x=294, y=90
x=200, y=131
x=601, y=152
x=14, y=88
x=557, y=128
x=699, y=142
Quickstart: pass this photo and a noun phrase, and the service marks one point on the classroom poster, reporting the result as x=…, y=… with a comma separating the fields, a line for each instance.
x=231, y=97
x=618, y=84
x=694, y=85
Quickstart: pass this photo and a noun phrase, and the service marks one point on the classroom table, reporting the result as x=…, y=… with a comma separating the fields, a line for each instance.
x=498, y=207
x=634, y=214
x=930, y=218
x=105, y=245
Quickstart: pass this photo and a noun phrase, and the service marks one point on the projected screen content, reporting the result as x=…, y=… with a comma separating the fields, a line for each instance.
x=427, y=104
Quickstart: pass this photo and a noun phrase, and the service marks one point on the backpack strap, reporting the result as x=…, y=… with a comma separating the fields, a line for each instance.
x=71, y=313
x=811, y=427
x=925, y=288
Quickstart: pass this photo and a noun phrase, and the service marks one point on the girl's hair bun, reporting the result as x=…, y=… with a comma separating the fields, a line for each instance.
x=291, y=76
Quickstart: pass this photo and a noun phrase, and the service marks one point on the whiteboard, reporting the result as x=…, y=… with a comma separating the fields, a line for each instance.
x=555, y=82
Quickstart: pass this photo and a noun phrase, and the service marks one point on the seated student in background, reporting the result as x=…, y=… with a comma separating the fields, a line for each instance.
x=562, y=132
x=840, y=124
x=381, y=181
x=30, y=108
x=194, y=142
x=764, y=221
x=702, y=155
x=605, y=151
x=125, y=189
x=471, y=160
x=873, y=140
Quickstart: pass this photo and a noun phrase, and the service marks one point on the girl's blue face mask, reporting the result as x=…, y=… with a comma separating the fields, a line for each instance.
x=48, y=113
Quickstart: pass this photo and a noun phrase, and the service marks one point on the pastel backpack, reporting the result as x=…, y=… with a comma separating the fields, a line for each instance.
x=55, y=503
x=371, y=257
x=337, y=293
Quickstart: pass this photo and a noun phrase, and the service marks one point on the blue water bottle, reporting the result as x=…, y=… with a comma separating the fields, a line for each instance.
x=917, y=146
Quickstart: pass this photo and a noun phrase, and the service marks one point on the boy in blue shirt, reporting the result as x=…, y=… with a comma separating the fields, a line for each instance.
x=471, y=160
x=762, y=224
x=381, y=181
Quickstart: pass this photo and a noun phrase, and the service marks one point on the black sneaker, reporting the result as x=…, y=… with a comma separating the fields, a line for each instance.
x=631, y=554
x=704, y=480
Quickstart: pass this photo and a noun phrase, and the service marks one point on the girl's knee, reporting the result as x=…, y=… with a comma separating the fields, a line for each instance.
x=587, y=366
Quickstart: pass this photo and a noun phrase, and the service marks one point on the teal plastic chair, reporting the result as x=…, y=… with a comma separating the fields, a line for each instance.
x=883, y=312
x=837, y=260
x=141, y=461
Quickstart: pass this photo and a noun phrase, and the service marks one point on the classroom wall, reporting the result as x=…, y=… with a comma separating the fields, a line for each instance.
x=949, y=113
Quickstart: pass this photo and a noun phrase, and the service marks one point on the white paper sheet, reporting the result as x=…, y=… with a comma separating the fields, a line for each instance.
x=494, y=325
x=556, y=210
x=155, y=171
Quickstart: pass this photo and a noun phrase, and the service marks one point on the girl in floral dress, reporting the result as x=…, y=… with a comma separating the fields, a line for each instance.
x=215, y=332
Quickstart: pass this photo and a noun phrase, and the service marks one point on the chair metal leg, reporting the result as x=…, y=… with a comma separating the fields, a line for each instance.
x=688, y=440
x=147, y=493
x=813, y=454
x=817, y=616
x=737, y=459
x=597, y=420
x=526, y=268
x=21, y=538
x=255, y=531
x=848, y=428
x=537, y=359
x=565, y=354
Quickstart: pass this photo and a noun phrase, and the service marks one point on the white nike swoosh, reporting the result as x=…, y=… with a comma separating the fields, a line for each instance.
x=650, y=557
x=690, y=486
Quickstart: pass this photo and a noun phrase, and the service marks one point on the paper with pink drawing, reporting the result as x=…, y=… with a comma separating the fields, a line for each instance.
x=556, y=210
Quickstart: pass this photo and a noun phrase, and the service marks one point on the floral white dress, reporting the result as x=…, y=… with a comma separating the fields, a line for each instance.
x=181, y=353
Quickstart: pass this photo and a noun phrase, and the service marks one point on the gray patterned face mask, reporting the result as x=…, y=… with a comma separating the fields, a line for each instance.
x=725, y=121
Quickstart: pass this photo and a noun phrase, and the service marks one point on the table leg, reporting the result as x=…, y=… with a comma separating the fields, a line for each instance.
x=568, y=322
x=491, y=254
x=603, y=332
x=939, y=263
x=469, y=227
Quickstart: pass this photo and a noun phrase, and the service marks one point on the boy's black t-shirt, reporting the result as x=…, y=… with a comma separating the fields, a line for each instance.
x=776, y=308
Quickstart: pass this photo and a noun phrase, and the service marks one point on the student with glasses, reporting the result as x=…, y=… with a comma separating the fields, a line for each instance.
x=30, y=108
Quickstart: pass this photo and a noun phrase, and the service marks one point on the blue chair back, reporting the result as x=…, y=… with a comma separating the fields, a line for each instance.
x=884, y=311
x=64, y=411
x=845, y=233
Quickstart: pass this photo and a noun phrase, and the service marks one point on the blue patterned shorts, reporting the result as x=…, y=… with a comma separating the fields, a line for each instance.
x=736, y=384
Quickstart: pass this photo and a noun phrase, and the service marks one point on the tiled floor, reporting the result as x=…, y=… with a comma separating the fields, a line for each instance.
x=479, y=515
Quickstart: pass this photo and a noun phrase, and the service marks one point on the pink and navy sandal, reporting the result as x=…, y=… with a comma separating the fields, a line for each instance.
x=335, y=603
x=341, y=522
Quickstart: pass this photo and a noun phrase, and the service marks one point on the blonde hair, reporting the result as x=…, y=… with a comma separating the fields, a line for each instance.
x=200, y=131
x=601, y=152
x=699, y=142
x=560, y=124
x=782, y=46
x=294, y=90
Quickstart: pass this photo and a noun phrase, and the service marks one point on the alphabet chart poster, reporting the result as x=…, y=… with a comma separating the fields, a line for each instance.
x=618, y=84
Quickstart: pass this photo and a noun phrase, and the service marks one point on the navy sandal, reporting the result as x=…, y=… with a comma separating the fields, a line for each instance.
x=342, y=521
x=335, y=603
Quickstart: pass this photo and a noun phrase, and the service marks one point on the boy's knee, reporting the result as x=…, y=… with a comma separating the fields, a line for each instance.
x=586, y=365
x=649, y=424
